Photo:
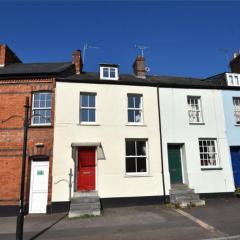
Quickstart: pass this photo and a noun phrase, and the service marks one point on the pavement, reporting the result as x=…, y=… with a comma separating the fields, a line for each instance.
x=218, y=220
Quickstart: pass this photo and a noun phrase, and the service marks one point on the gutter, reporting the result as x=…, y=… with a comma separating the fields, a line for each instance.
x=161, y=146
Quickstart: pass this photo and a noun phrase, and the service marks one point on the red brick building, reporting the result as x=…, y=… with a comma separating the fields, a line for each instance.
x=17, y=81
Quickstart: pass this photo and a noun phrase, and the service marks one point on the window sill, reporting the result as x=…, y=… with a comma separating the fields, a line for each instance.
x=137, y=175
x=210, y=169
x=40, y=126
x=196, y=123
x=136, y=125
x=88, y=124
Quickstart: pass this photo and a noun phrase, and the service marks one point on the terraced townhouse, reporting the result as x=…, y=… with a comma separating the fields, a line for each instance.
x=119, y=139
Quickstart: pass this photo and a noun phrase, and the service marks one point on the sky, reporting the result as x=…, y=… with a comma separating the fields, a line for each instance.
x=195, y=39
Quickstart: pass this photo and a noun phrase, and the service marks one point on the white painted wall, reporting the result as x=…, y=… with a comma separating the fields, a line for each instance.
x=111, y=131
x=176, y=129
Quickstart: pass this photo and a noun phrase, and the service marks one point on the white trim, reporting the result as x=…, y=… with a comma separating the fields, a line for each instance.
x=40, y=108
x=138, y=156
x=109, y=69
x=217, y=157
x=236, y=110
x=233, y=79
x=88, y=108
x=190, y=109
x=140, y=109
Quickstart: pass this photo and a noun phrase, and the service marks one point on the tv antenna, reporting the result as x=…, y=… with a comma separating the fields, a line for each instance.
x=141, y=48
x=87, y=46
x=225, y=52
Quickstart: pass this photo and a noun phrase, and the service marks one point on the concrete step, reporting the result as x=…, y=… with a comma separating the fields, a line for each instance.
x=85, y=203
x=179, y=186
x=85, y=194
x=189, y=195
x=198, y=203
x=91, y=199
x=181, y=191
x=183, y=197
x=73, y=214
x=174, y=198
x=85, y=206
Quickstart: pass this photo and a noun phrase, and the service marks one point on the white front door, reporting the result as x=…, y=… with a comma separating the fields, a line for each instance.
x=38, y=187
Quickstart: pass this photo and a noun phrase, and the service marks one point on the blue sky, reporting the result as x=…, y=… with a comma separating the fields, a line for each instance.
x=184, y=38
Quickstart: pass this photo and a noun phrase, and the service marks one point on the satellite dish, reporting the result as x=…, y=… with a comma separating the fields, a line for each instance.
x=147, y=69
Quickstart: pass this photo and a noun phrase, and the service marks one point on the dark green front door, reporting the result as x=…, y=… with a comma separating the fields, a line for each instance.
x=174, y=163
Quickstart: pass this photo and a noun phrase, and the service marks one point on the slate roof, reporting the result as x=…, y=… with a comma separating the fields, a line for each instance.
x=218, y=79
x=128, y=79
x=33, y=69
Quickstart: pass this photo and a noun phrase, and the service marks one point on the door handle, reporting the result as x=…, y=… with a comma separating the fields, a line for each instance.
x=86, y=172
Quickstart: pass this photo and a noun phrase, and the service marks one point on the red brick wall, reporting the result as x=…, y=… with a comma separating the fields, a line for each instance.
x=12, y=99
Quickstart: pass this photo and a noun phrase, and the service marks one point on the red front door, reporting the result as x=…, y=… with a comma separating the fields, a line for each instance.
x=86, y=168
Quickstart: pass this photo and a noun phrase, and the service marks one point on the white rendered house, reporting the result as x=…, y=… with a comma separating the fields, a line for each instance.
x=194, y=137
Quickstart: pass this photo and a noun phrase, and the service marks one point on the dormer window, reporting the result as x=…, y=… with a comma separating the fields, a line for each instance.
x=233, y=79
x=109, y=71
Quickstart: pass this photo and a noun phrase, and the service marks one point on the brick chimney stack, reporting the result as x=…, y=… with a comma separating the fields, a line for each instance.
x=139, y=67
x=77, y=61
x=235, y=63
x=7, y=56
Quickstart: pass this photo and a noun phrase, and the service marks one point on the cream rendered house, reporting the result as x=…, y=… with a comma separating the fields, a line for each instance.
x=107, y=133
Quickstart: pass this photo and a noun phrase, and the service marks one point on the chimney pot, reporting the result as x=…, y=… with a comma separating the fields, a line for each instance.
x=77, y=61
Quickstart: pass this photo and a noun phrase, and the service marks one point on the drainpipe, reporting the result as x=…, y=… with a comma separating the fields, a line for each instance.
x=161, y=146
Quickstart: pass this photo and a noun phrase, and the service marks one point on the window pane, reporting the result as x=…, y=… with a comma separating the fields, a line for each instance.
x=84, y=100
x=48, y=116
x=141, y=148
x=42, y=103
x=105, y=72
x=112, y=72
x=130, y=165
x=130, y=148
x=36, y=103
x=141, y=164
x=131, y=115
x=137, y=116
x=84, y=115
x=91, y=100
x=42, y=97
x=130, y=101
x=137, y=101
x=91, y=115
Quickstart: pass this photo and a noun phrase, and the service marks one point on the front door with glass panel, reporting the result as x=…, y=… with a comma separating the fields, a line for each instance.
x=38, y=187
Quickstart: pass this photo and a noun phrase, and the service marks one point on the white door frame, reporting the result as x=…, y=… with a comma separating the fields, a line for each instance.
x=34, y=164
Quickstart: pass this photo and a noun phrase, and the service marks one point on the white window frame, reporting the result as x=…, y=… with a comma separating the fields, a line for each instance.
x=191, y=110
x=40, y=108
x=135, y=109
x=208, y=153
x=88, y=108
x=137, y=156
x=236, y=109
x=109, y=69
x=233, y=79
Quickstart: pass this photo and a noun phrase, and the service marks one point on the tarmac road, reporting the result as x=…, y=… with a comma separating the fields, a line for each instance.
x=219, y=219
